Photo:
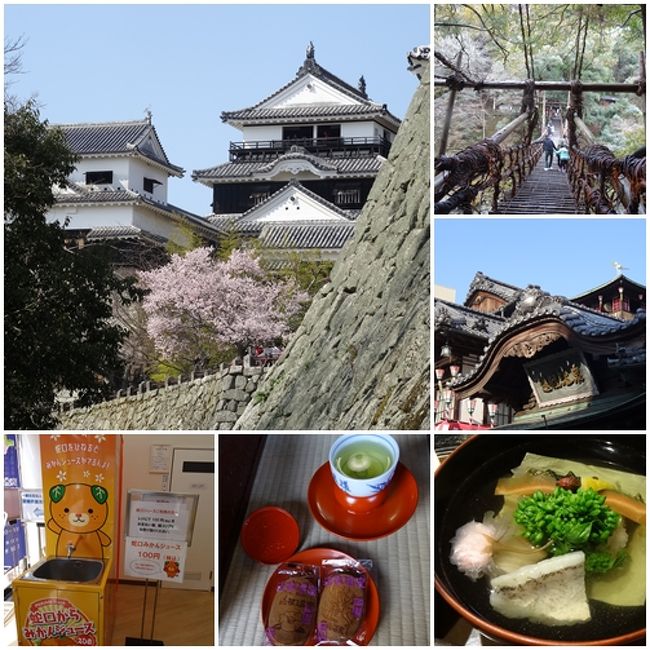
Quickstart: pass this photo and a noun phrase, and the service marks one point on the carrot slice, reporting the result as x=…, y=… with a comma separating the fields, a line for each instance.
x=524, y=485
x=626, y=506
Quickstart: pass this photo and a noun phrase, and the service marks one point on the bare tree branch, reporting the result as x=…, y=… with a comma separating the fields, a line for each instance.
x=489, y=31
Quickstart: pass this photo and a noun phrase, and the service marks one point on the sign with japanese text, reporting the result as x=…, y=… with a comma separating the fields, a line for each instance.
x=560, y=378
x=161, y=515
x=32, y=505
x=57, y=621
x=79, y=493
x=15, y=549
x=155, y=559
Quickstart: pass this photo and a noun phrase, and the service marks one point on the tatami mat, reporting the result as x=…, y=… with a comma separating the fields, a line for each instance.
x=401, y=560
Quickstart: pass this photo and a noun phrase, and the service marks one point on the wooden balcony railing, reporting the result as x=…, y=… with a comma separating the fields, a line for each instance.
x=269, y=149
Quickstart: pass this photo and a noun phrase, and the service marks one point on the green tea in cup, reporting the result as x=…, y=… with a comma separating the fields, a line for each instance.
x=363, y=459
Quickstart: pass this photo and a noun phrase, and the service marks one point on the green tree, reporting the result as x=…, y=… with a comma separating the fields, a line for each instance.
x=58, y=328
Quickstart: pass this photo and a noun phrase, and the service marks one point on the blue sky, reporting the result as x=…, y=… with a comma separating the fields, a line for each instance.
x=564, y=256
x=188, y=63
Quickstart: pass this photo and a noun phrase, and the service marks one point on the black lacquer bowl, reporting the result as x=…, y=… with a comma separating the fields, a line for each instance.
x=464, y=490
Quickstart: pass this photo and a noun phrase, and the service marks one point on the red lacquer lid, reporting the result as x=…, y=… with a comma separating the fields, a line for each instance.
x=270, y=535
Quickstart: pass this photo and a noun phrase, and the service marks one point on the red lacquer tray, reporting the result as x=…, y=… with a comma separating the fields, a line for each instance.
x=398, y=507
x=315, y=556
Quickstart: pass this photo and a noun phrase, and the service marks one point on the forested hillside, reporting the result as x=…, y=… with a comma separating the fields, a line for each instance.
x=592, y=43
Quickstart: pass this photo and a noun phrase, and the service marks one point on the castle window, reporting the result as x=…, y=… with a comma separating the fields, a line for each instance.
x=259, y=197
x=149, y=184
x=297, y=132
x=329, y=130
x=99, y=178
x=347, y=197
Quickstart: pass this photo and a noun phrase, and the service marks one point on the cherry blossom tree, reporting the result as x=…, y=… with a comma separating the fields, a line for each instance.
x=195, y=304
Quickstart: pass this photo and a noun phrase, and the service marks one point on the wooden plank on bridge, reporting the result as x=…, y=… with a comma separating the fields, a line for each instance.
x=543, y=192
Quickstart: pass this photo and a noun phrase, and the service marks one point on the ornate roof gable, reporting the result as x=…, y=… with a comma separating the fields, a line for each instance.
x=313, y=86
x=448, y=315
x=482, y=282
x=293, y=202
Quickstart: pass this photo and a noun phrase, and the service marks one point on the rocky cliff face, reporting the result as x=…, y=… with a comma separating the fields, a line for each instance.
x=360, y=359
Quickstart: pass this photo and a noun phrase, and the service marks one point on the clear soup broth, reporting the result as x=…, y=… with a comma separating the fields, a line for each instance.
x=472, y=495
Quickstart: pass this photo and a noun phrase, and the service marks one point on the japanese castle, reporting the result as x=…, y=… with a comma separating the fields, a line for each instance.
x=296, y=179
x=305, y=162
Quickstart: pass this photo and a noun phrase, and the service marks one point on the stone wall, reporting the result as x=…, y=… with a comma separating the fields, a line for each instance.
x=211, y=402
x=360, y=359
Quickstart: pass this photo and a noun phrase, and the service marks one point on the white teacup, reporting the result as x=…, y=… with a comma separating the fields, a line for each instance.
x=362, y=494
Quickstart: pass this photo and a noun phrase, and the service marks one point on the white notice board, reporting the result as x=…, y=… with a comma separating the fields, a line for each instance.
x=161, y=515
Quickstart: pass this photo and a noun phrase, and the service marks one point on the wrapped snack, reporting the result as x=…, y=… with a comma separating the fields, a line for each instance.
x=293, y=610
x=342, y=601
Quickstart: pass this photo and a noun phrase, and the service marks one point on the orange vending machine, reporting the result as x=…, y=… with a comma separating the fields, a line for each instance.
x=65, y=598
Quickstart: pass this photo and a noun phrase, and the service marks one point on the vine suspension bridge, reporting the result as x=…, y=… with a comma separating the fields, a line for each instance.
x=489, y=177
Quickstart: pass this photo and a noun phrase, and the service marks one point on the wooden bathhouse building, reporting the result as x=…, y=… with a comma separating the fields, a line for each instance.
x=302, y=168
x=519, y=358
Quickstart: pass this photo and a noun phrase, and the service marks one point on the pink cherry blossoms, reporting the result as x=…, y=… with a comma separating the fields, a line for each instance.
x=196, y=303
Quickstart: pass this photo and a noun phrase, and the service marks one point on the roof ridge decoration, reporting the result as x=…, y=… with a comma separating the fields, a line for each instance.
x=310, y=67
x=83, y=125
x=482, y=282
x=442, y=306
x=458, y=317
x=418, y=59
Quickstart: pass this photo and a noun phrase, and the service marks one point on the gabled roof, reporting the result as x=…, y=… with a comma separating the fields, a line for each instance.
x=359, y=103
x=307, y=235
x=254, y=220
x=621, y=280
x=114, y=138
x=344, y=167
x=292, y=189
x=482, y=282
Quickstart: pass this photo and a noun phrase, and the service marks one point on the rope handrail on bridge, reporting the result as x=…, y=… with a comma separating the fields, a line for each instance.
x=606, y=184
x=478, y=168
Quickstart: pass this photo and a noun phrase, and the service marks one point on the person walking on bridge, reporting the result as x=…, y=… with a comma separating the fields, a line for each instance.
x=549, y=148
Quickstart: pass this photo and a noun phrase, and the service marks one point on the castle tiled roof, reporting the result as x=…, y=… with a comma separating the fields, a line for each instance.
x=98, y=196
x=82, y=196
x=464, y=319
x=103, y=233
x=114, y=138
x=362, y=105
x=351, y=167
x=308, y=113
x=306, y=235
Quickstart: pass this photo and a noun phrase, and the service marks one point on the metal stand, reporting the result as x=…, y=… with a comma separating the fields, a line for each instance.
x=130, y=640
